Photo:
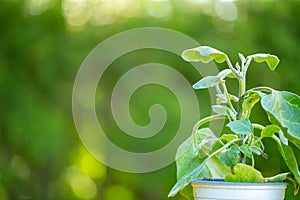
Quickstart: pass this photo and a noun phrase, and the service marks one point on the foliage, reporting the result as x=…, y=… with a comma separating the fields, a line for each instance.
x=236, y=149
x=41, y=52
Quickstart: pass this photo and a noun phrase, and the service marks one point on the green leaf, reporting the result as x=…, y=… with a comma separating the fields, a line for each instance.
x=283, y=177
x=221, y=98
x=205, y=140
x=242, y=57
x=211, y=81
x=246, y=150
x=271, y=60
x=217, y=168
x=206, y=82
x=269, y=130
x=278, y=178
x=283, y=139
x=231, y=156
x=190, y=166
x=289, y=158
x=241, y=126
x=222, y=110
x=296, y=185
x=256, y=150
x=228, y=137
x=187, y=157
x=187, y=192
x=225, y=73
x=283, y=109
x=198, y=171
x=209, y=168
x=249, y=99
x=203, y=54
x=244, y=173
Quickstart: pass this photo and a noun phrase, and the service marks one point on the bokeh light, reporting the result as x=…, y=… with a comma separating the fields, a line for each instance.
x=37, y=7
x=118, y=192
x=82, y=185
x=226, y=10
x=158, y=8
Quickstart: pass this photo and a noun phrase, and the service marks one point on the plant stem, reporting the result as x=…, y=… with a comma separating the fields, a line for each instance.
x=246, y=65
x=205, y=120
x=257, y=140
x=253, y=161
x=242, y=86
x=228, y=99
x=264, y=89
x=242, y=90
x=233, y=98
x=234, y=71
x=274, y=137
x=260, y=127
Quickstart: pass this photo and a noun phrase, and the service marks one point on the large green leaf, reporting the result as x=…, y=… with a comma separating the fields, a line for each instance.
x=283, y=109
x=241, y=126
x=190, y=166
x=289, y=158
x=283, y=139
x=187, y=192
x=187, y=157
x=216, y=169
x=203, y=54
x=204, y=140
x=271, y=60
x=199, y=171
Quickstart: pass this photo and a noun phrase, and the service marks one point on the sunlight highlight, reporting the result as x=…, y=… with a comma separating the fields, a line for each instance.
x=92, y=167
x=82, y=186
x=98, y=12
x=158, y=8
x=226, y=10
x=79, y=13
x=76, y=12
x=200, y=1
x=37, y=7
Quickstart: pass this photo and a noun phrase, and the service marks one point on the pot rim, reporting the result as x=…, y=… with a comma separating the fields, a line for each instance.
x=220, y=181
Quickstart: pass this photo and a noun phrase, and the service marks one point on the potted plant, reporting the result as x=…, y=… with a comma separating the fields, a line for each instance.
x=226, y=163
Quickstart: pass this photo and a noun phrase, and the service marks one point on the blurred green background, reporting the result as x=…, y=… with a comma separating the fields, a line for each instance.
x=42, y=45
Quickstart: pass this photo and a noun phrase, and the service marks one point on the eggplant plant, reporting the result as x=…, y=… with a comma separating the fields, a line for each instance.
x=232, y=155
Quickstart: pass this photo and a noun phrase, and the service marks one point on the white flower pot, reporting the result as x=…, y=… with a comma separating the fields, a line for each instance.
x=217, y=189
